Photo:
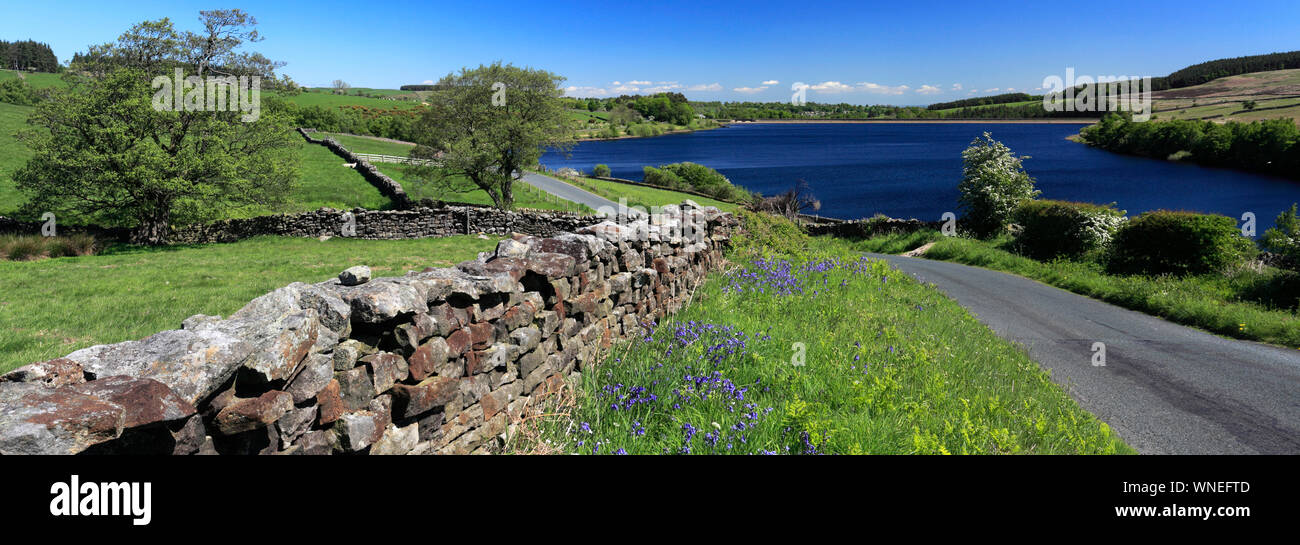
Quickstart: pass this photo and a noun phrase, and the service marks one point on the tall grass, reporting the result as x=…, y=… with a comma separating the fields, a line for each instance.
x=28, y=247
x=822, y=353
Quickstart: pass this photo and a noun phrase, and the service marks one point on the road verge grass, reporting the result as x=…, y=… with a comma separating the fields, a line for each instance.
x=1247, y=303
x=805, y=346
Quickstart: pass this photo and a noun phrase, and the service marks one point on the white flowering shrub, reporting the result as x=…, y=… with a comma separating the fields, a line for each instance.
x=994, y=183
x=1052, y=229
x=1284, y=239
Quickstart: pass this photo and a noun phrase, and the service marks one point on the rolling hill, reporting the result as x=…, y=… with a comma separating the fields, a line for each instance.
x=1275, y=94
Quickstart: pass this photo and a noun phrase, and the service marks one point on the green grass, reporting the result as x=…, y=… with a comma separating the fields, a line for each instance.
x=891, y=367
x=51, y=307
x=13, y=155
x=1246, y=304
x=526, y=196
x=368, y=144
x=324, y=181
x=316, y=98
x=898, y=243
x=645, y=196
x=38, y=80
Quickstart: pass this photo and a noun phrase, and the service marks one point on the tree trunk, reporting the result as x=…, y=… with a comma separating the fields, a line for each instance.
x=507, y=195
x=153, y=229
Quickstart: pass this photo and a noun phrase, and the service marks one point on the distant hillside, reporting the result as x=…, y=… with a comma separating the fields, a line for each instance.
x=1197, y=74
x=982, y=101
x=1246, y=97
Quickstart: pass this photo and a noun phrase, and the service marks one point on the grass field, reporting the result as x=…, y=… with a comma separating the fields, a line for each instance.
x=828, y=353
x=526, y=196
x=38, y=80
x=13, y=155
x=325, y=181
x=368, y=144
x=1246, y=304
x=317, y=98
x=645, y=196
x=1223, y=99
x=51, y=307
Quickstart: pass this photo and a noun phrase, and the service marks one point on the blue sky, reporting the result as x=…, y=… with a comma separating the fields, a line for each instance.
x=908, y=52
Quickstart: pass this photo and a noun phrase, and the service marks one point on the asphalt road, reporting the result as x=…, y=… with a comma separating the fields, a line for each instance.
x=570, y=192
x=1165, y=388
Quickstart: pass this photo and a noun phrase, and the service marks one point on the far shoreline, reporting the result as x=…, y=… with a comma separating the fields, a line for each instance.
x=1062, y=121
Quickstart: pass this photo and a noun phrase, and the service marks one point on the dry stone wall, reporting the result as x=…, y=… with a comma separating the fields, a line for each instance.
x=439, y=361
x=386, y=186
x=419, y=222
x=869, y=227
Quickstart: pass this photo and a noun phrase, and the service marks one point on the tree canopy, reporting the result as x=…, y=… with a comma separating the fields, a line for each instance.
x=484, y=125
x=105, y=152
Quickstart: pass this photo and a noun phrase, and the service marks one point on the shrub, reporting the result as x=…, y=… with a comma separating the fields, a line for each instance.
x=993, y=185
x=1177, y=242
x=1053, y=229
x=663, y=178
x=17, y=91
x=25, y=247
x=600, y=171
x=20, y=248
x=1284, y=239
x=798, y=200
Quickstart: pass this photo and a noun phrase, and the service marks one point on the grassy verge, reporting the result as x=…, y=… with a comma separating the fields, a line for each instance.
x=1246, y=304
x=888, y=366
x=645, y=196
x=51, y=307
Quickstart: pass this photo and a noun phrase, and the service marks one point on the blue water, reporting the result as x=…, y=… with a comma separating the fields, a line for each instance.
x=912, y=170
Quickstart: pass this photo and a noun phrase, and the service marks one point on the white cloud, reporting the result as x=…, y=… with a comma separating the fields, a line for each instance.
x=1010, y=89
x=673, y=83
x=771, y=82
x=750, y=90
x=705, y=87
x=428, y=82
x=585, y=91
x=627, y=89
x=831, y=87
x=615, y=83
x=638, y=82
x=929, y=90
x=993, y=90
x=663, y=87
x=883, y=89
x=956, y=86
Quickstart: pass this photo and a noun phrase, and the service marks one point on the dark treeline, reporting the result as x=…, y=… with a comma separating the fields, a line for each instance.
x=1271, y=146
x=421, y=87
x=28, y=55
x=983, y=101
x=1197, y=74
x=786, y=110
x=666, y=107
x=813, y=110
